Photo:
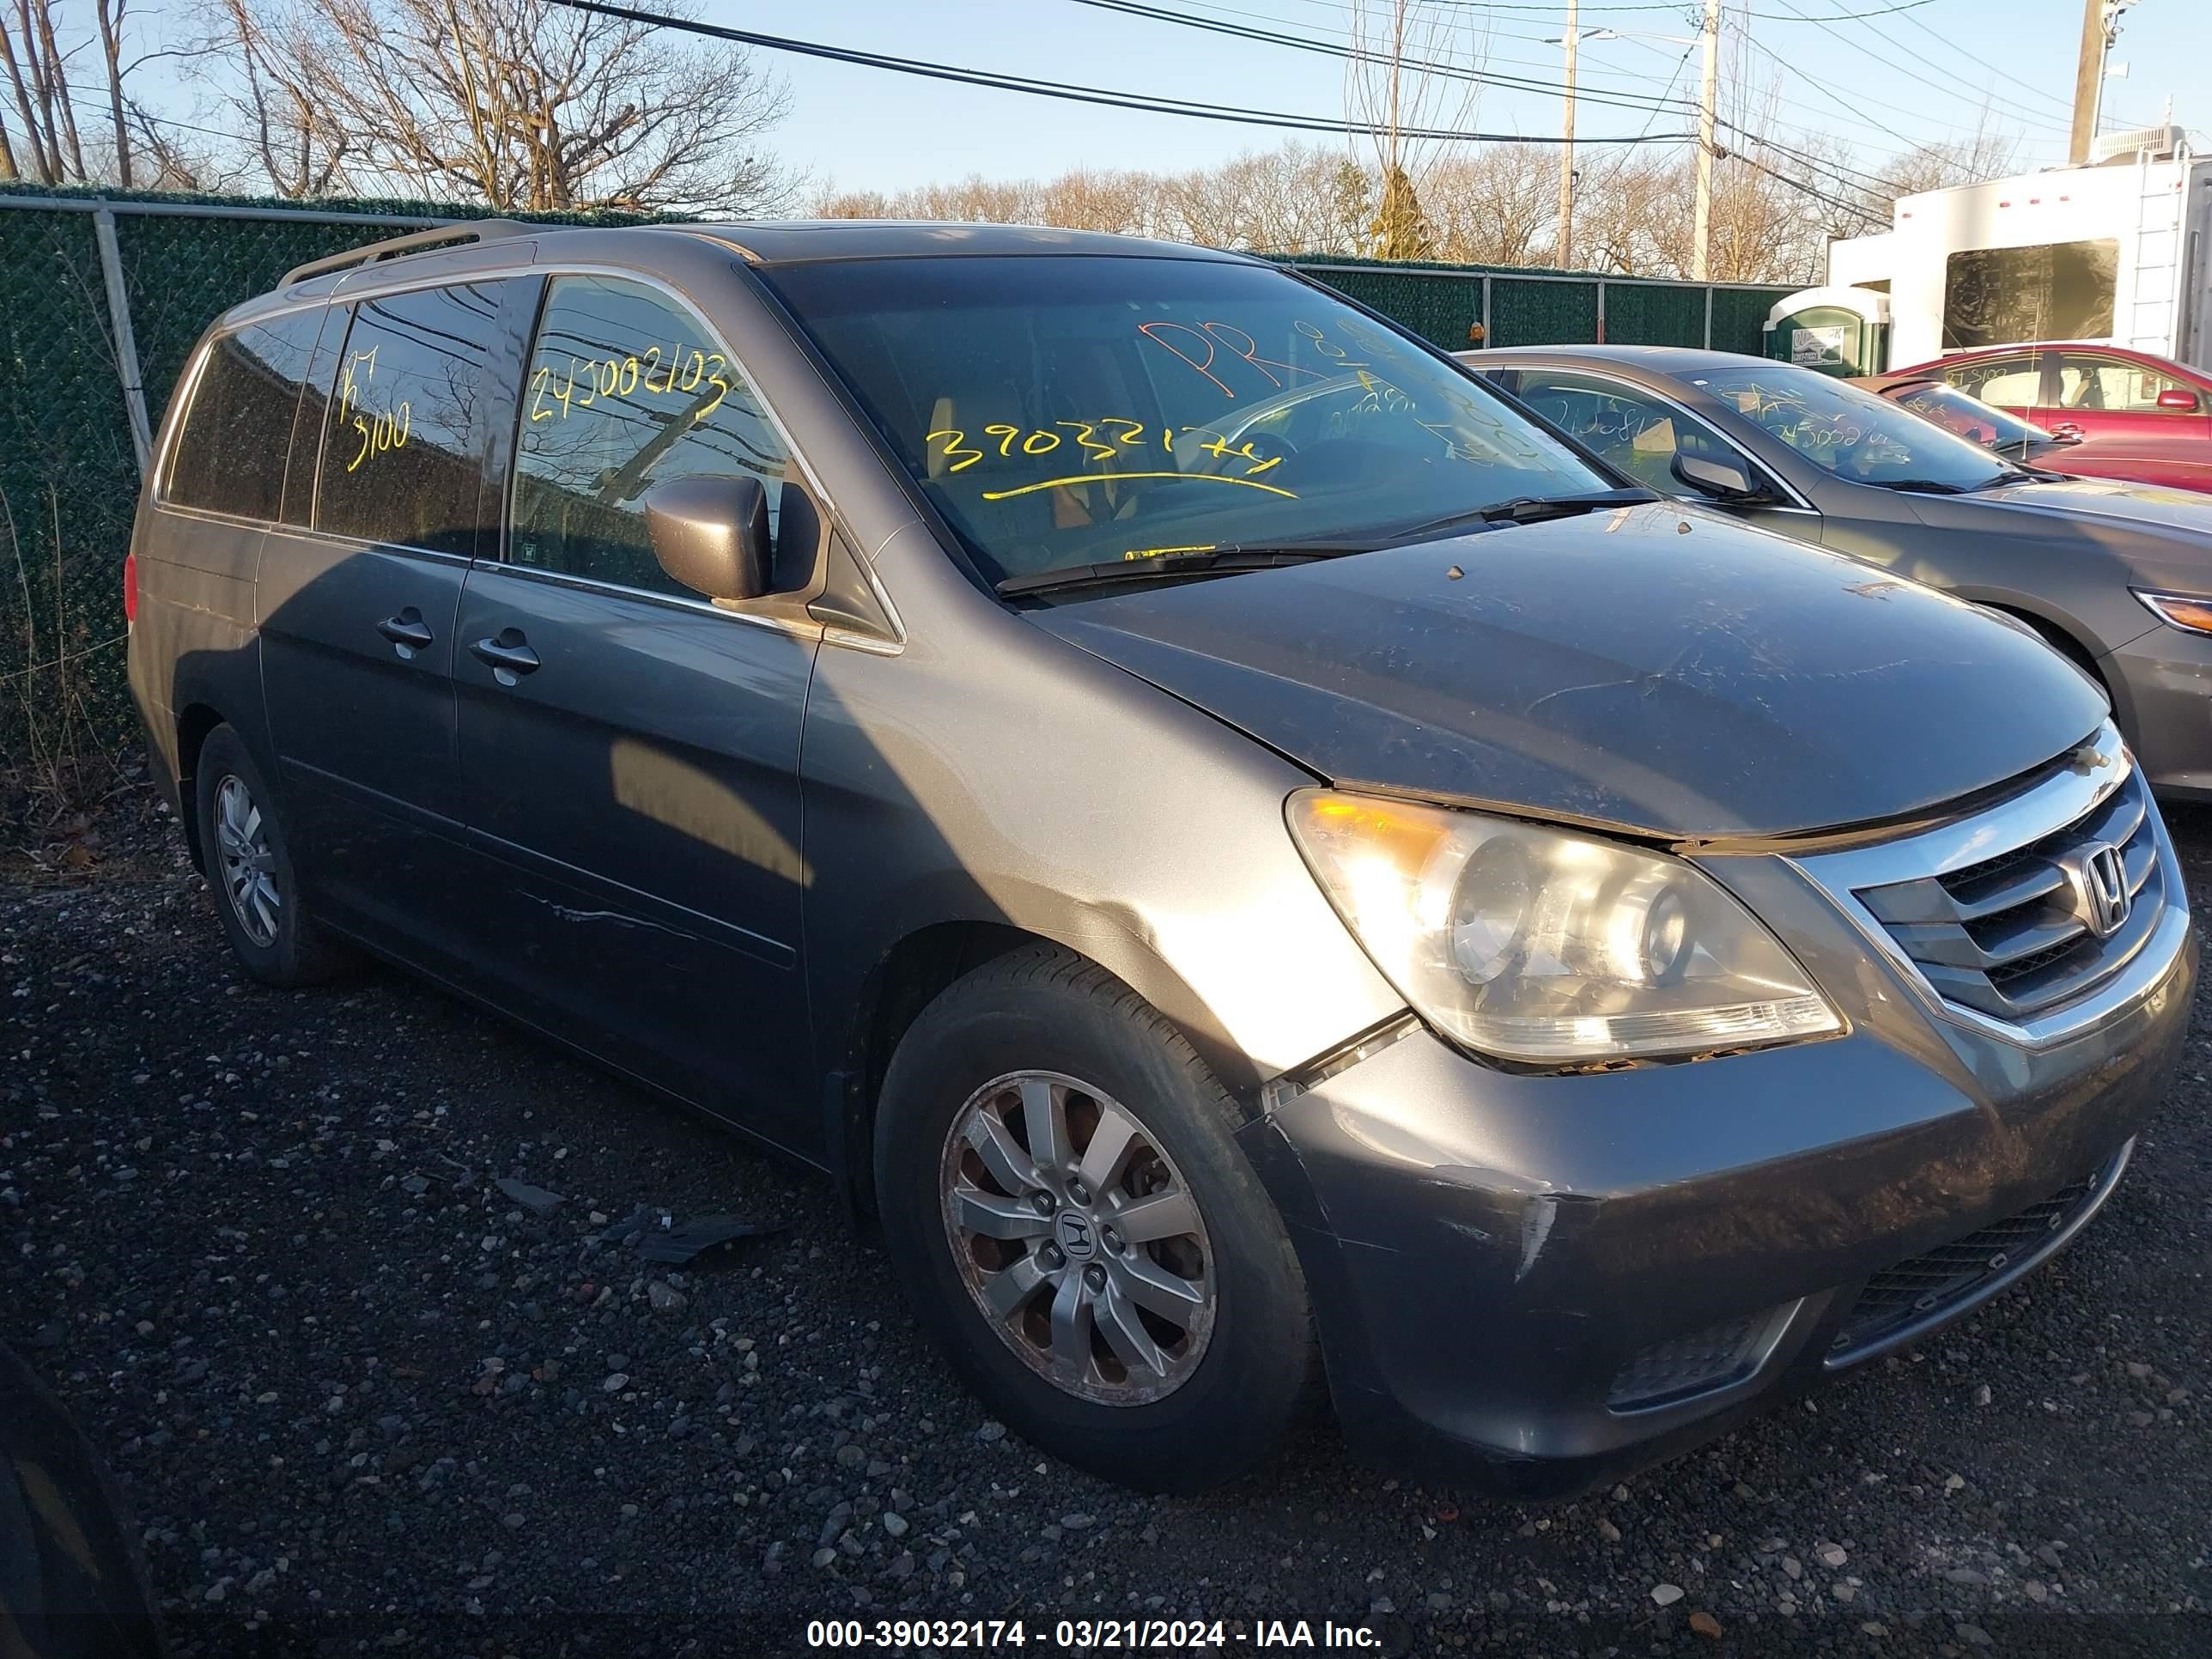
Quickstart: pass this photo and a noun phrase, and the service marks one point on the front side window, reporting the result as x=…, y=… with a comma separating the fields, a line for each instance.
x=2090, y=381
x=1063, y=411
x=2056, y=291
x=2011, y=382
x=228, y=455
x=1852, y=434
x=404, y=449
x=1638, y=433
x=626, y=390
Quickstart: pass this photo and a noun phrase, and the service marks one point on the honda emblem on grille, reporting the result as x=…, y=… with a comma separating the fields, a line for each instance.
x=2097, y=878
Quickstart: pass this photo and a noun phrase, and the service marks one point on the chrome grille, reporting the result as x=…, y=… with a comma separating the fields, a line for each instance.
x=2016, y=933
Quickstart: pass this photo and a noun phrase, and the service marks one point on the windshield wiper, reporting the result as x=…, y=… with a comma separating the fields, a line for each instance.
x=1164, y=566
x=1528, y=509
x=1921, y=486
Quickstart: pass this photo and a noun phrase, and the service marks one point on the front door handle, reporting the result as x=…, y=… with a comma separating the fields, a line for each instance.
x=407, y=631
x=507, y=654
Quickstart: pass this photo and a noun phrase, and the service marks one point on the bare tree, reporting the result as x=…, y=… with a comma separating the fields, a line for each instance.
x=110, y=16
x=1496, y=205
x=269, y=100
x=1402, y=81
x=38, y=79
x=515, y=103
x=1987, y=155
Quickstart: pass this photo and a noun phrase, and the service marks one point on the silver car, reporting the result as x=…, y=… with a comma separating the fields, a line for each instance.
x=1254, y=864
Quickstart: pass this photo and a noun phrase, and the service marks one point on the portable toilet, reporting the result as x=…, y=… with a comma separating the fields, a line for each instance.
x=1837, y=331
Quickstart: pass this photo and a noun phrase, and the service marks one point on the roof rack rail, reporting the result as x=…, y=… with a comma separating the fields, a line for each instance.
x=466, y=230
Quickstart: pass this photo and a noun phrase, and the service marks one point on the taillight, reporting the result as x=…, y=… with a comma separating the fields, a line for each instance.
x=129, y=588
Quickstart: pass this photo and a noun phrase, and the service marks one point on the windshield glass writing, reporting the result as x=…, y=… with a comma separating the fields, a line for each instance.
x=1063, y=411
x=1848, y=432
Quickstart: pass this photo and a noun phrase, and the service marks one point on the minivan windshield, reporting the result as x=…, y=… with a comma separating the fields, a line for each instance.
x=1852, y=434
x=1069, y=410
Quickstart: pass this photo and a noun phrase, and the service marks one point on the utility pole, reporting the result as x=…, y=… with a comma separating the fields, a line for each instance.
x=1708, y=92
x=1564, y=255
x=2100, y=26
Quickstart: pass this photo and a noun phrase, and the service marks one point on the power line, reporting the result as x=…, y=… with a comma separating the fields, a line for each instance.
x=1143, y=102
x=1805, y=189
x=1848, y=112
x=1955, y=86
x=1329, y=49
x=1847, y=178
x=2065, y=104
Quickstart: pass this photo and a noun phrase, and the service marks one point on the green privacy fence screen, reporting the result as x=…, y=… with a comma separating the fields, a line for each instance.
x=1444, y=304
x=94, y=280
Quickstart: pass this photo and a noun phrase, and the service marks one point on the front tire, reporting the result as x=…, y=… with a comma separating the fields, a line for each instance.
x=1079, y=1231
x=246, y=859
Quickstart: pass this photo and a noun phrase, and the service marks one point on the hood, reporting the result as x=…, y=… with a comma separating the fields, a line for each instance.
x=2185, y=513
x=1652, y=668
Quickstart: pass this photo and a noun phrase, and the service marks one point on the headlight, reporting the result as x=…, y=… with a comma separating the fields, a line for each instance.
x=1542, y=944
x=2179, y=609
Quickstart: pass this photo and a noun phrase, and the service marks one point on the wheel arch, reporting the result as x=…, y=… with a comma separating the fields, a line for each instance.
x=195, y=721
x=929, y=959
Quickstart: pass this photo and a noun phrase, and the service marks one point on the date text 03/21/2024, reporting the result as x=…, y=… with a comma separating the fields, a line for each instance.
x=1086, y=1635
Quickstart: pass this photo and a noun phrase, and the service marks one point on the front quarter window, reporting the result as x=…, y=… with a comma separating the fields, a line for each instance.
x=1067, y=411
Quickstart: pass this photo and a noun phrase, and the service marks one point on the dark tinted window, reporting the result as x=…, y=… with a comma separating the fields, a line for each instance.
x=229, y=452
x=2057, y=291
x=311, y=417
x=626, y=391
x=403, y=456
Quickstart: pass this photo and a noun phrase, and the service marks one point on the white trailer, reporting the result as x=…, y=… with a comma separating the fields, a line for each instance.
x=2114, y=253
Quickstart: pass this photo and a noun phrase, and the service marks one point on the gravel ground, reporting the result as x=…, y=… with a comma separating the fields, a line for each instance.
x=361, y=1399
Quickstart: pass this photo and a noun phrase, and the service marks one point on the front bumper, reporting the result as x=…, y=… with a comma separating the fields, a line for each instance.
x=1536, y=1283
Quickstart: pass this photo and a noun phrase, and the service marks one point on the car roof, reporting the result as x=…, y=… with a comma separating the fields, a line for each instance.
x=452, y=251
x=792, y=241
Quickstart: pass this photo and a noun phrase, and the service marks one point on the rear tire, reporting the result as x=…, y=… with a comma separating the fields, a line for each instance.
x=247, y=862
x=1124, y=1296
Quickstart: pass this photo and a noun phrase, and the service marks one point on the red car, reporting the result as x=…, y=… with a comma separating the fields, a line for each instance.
x=2099, y=391
x=2174, y=461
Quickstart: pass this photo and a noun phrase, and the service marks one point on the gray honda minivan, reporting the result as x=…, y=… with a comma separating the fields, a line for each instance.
x=1252, y=861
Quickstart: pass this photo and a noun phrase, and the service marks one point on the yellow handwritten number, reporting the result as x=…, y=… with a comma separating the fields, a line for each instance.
x=955, y=439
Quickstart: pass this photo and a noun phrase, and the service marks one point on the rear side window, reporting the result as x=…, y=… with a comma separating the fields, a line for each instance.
x=403, y=448
x=229, y=452
x=626, y=390
x=2008, y=382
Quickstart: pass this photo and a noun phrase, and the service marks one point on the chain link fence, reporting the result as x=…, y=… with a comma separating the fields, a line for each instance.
x=76, y=320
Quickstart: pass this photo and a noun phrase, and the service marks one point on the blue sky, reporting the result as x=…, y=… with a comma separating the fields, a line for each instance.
x=1879, y=82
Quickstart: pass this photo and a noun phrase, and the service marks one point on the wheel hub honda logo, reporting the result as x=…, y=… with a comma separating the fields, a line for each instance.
x=2098, y=876
x=1076, y=1236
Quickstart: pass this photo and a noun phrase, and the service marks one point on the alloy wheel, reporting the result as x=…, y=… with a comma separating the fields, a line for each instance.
x=249, y=868
x=1078, y=1238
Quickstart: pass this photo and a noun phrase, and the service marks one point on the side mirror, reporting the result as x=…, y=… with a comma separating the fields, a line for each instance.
x=711, y=534
x=2175, y=398
x=1723, y=480
x=2067, y=432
